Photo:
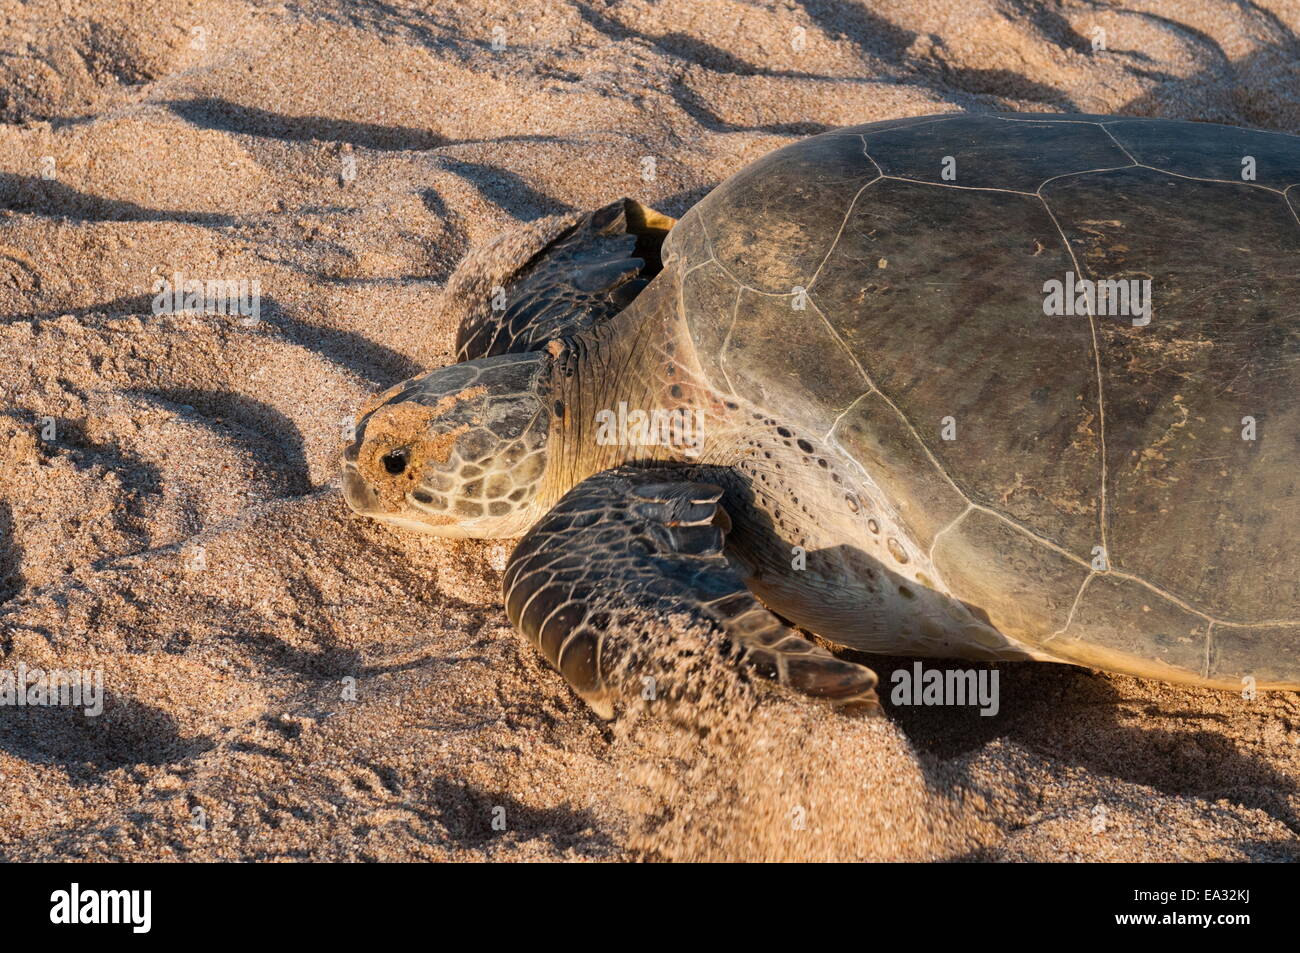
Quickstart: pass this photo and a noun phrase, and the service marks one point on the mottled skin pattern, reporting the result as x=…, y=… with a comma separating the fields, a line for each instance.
x=911, y=455
x=663, y=542
x=484, y=480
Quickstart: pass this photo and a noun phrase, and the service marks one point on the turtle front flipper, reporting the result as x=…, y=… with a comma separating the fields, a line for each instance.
x=628, y=548
x=555, y=278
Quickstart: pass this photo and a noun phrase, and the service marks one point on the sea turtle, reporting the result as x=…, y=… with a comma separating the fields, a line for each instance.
x=864, y=389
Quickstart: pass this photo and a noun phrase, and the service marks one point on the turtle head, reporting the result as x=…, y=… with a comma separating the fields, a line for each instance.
x=458, y=452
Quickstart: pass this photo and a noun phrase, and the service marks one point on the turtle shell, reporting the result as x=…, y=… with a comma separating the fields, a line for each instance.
x=1117, y=486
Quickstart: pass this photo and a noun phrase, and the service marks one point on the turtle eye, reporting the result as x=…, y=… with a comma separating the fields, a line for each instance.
x=394, y=461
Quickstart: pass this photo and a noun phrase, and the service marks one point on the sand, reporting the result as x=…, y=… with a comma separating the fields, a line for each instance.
x=286, y=681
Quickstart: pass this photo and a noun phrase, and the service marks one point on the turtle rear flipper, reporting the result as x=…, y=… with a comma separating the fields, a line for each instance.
x=516, y=296
x=631, y=547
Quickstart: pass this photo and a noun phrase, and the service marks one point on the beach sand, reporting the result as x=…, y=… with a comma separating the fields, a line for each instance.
x=286, y=681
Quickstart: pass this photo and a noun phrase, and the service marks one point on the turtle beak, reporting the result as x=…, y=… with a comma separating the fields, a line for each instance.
x=355, y=490
x=365, y=502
